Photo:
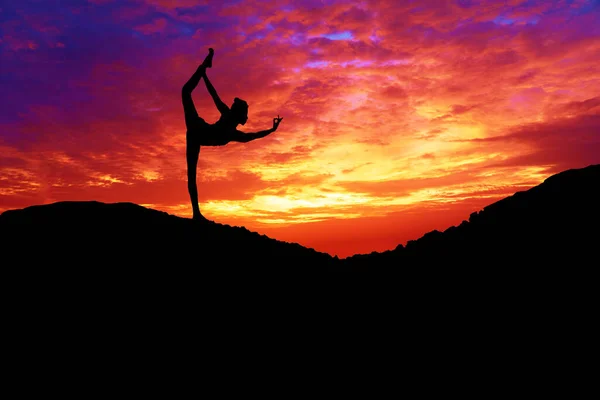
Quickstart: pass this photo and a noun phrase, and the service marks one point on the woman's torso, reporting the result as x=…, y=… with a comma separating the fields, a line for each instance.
x=218, y=134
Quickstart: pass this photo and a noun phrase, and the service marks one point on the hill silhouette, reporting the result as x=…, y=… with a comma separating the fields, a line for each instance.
x=522, y=258
x=554, y=222
x=129, y=234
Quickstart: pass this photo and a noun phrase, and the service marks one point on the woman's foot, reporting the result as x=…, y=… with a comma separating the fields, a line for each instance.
x=207, y=63
x=199, y=217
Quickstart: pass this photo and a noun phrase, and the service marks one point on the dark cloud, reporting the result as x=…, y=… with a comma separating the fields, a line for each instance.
x=563, y=144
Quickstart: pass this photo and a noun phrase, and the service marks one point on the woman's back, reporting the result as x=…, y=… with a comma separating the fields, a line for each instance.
x=219, y=133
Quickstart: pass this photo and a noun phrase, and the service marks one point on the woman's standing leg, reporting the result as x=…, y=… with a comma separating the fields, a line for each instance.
x=191, y=154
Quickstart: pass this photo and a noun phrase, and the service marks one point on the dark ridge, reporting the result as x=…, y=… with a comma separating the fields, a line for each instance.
x=126, y=235
x=551, y=226
x=544, y=234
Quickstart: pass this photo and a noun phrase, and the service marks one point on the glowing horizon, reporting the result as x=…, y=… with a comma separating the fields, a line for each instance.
x=399, y=117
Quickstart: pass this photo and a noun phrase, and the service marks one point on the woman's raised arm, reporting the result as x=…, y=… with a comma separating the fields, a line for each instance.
x=222, y=107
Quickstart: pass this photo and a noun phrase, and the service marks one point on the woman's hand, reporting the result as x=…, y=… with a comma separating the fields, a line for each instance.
x=276, y=122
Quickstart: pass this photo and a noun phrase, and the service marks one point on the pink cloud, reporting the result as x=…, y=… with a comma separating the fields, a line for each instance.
x=157, y=26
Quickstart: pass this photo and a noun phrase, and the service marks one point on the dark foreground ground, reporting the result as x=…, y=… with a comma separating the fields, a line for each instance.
x=93, y=291
x=546, y=234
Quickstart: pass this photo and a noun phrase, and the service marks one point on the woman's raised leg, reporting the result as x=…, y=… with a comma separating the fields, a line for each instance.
x=191, y=115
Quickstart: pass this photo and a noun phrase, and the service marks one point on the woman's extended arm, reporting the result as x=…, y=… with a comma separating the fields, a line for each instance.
x=222, y=107
x=247, y=137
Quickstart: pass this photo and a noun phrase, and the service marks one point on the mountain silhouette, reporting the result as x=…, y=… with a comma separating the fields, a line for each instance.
x=126, y=233
x=554, y=222
x=528, y=257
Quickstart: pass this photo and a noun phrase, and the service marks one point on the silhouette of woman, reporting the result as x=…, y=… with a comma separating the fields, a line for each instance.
x=200, y=133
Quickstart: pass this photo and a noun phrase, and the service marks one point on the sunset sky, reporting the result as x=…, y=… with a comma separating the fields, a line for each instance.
x=399, y=117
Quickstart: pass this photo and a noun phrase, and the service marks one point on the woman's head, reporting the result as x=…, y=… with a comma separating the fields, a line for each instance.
x=239, y=109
